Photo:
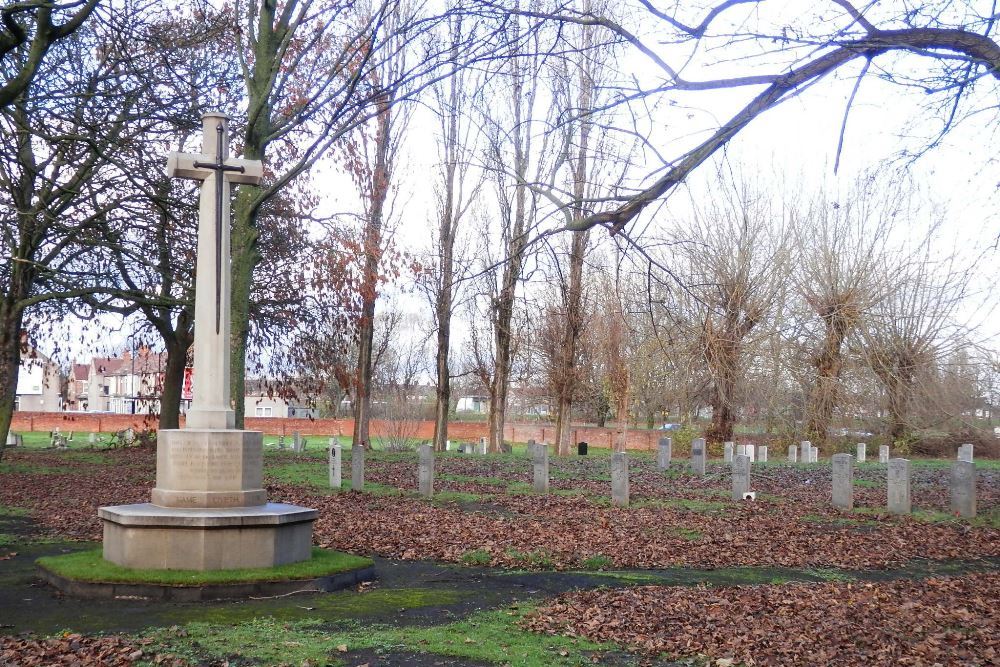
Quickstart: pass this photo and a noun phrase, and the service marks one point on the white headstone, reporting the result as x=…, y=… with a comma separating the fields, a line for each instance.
x=727, y=452
x=619, y=479
x=425, y=470
x=862, y=448
x=741, y=476
x=965, y=452
x=793, y=454
x=843, y=481
x=898, y=491
x=762, y=454
x=336, y=469
x=883, y=453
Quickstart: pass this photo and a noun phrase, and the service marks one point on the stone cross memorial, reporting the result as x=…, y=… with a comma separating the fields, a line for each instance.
x=209, y=510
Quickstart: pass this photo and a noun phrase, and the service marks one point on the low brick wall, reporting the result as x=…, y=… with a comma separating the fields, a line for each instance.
x=82, y=422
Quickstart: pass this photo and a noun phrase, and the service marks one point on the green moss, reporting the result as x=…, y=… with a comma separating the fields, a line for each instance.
x=456, y=497
x=24, y=468
x=480, y=557
x=90, y=566
x=489, y=636
x=14, y=511
x=708, y=506
x=688, y=534
x=596, y=562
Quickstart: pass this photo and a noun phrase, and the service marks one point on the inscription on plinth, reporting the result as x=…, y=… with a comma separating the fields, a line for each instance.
x=209, y=468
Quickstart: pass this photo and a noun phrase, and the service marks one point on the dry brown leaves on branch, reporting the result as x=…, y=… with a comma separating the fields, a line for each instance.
x=942, y=621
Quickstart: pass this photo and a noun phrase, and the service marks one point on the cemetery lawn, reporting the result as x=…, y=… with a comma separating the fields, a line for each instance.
x=487, y=572
x=89, y=566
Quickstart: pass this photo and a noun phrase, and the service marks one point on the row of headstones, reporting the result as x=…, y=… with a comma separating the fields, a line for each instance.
x=962, y=493
x=962, y=484
x=60, y=441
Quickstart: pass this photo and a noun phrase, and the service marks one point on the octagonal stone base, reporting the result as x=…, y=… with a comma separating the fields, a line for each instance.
x=151, y=537
x=209, y=468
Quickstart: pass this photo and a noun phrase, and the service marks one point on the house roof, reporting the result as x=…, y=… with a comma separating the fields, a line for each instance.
x=81, y=371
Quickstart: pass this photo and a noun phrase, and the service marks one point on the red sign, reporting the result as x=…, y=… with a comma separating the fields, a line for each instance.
x=187, y=393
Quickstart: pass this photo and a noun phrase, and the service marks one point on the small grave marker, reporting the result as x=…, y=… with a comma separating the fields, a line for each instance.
x=358, y=466
x=727, y=452
x=861, y=449
x=540, y=463
x=698, y=455
x=843, y=481
x=965, y=452
x=963, y=489
x=762, y=454
x=619, y=479
x=335, y=454
x=898, y=492
x=741, y=476
x=793, y=454
x=664, y=451
x=883, y=453
x=425, y=470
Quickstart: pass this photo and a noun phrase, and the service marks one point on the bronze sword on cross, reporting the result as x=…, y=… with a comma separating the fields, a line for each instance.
x=219, y=167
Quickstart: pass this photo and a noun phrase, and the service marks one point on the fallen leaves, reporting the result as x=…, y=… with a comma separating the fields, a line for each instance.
x=939, y=621
x=70, y=649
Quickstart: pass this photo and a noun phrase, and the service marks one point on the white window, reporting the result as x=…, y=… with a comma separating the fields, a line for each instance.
x=262, y=411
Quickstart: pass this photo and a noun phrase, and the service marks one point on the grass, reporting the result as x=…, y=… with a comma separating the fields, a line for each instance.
x=596, y=562
x=538, y=559
x=867, y=483
x=91, y=567
x=487, y=636
x=22, y=468
x=478, y=557
x=14, y=511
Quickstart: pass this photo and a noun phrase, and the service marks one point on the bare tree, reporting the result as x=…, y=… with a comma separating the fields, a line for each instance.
x=913, y=328
x=456, y=193
x=842, y=247
x=28, y=29
x=732, y=259
x=944, y=48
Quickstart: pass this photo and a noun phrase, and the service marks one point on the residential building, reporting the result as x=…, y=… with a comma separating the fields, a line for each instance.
x=38, y=385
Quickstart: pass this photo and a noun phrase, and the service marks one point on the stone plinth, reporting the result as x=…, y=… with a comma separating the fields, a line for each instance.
x=209, y=468
x=151, y=537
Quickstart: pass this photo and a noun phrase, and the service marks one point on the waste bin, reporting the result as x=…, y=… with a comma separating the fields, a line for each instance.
x=581, y=449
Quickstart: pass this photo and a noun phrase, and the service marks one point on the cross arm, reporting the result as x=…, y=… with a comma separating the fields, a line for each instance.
x=252, y=174
x=181, y=165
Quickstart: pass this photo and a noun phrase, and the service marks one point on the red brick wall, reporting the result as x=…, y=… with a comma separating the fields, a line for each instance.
x=457, y=431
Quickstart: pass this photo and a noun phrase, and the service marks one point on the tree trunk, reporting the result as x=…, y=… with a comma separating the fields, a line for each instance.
x=10, y=361
x=823, y=398
x=571, y=337
x=173, y=376
x=443, y=391
x=381, y=174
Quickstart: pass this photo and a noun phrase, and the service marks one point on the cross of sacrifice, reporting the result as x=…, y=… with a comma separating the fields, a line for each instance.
x=217, y=171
